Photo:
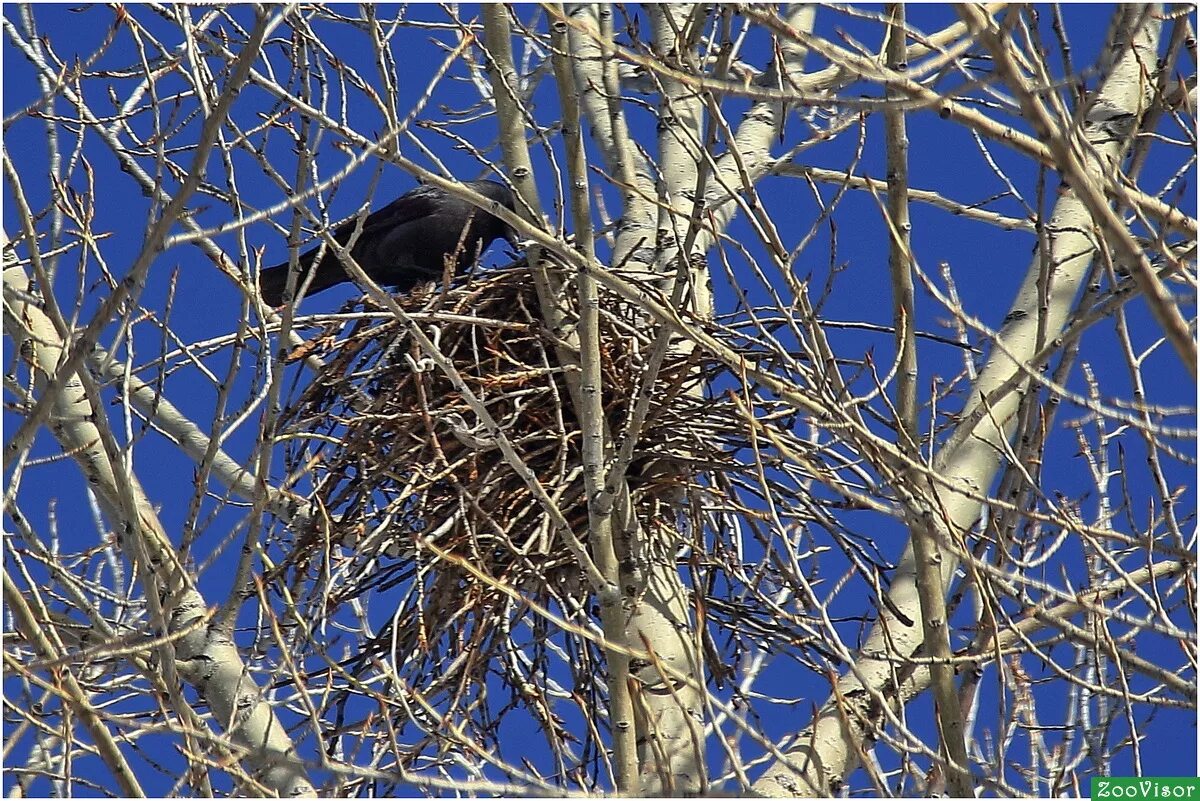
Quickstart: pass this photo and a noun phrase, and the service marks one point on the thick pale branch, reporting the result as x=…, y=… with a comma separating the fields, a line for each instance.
x=926, y=552
x=589, y=408
x=829, y=749
x=207, y=659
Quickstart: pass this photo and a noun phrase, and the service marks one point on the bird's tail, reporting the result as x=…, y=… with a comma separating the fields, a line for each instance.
x=273, y=280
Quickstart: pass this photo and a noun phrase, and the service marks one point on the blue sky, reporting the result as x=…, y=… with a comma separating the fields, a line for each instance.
x=987, y=265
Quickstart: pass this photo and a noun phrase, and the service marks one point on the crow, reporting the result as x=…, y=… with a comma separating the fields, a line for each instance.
x=404, y=243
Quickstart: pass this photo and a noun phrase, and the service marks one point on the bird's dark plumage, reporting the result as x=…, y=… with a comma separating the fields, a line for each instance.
x=405, y=242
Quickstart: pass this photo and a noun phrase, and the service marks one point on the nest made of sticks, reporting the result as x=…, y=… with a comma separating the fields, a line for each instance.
x=417, y=513
x=396, y=453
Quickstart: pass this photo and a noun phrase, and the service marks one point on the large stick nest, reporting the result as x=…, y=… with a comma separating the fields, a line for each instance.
x=397, y=454
x=414, y=505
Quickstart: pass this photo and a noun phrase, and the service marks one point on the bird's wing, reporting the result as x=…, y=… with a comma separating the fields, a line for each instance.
x=412, y=205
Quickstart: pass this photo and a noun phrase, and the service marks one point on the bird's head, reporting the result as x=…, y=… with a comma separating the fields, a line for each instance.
x=504, y=196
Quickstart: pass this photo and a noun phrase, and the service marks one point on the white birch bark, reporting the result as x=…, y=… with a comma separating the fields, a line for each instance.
x=828, y=750
x=199, y=652
x=203, y=655
x=650, y=239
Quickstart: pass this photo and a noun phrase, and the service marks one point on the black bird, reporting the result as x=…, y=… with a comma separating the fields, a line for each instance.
x=406, y=242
